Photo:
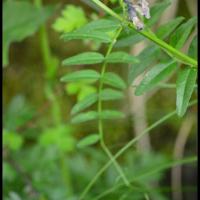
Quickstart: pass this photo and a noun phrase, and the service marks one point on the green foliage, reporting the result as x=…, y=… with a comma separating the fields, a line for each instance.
x=81, y=89
x=84, y=117
x=114, y=80
x=60, y=136
x=23, y=22
x=81, y=75
x=86, y=58
x=168, y=28
x=193, y=48
x=121, y=57
x=156, y=11
x=12, y=140
x=185, y=85
x=154, y=76
x=85, y=103
x=158, y=67
x=72, y=18
x=41, y=160
x=89, y=140
x=180, y=36
x=148, y=57
x=96, y=36
x=92, y=115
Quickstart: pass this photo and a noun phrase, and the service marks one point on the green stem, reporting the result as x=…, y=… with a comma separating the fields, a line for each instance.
x=150, y=172
x=100, y=123
x=44, y=43
x=151, y=36
x=50, y=67
x=66, y=174
x=127, y=146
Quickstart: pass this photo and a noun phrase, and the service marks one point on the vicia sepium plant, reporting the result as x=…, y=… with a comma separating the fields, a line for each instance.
x=119, y=29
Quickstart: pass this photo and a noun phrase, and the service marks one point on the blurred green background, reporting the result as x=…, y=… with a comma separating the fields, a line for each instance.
x=40, y=155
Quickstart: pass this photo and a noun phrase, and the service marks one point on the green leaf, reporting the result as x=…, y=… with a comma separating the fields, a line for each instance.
x=156, y=11
x=92, y=115
x=193, y=48
x=89, y=140
x=151, y=53
x=111, y=114
x=180, y=36
x=72, y=18
x=85, y=103
x=121, y=57
x=114, y=80
x=102, y=25
x=96, y=30
x=84, y=117
x=85, y=90
x=12, y=140
x=147, y=57
x=96, y=36
x=59, y=136
x=154, y=76
x=166, y=29
x=185, y=85
x=129, y=40
x=20, y=20
x=81, y=75
x=84, y=58
x=110, y=94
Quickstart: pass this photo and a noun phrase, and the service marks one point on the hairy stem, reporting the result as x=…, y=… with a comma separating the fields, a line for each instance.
x=174, y=53
x=127, y=146
x=100, y=123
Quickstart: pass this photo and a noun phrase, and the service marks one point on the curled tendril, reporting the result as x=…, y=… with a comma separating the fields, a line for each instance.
x=141, y=7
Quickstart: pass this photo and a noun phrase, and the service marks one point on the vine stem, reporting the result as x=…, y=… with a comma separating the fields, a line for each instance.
x=100, y=123
x=174, y=53
x=151, y=172
x=127, y=146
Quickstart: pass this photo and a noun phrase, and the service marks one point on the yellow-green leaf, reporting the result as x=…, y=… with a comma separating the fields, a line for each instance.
x=89, y=140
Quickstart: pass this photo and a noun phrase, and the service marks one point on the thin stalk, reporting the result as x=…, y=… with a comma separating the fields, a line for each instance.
x=50, y=67
x=100, y=123
x=127, y=146
x=66, y=174
x=150, y=172
x=44, y=43
x=151, y=36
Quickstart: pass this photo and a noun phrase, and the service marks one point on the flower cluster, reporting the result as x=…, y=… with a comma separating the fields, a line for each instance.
x=137, y=6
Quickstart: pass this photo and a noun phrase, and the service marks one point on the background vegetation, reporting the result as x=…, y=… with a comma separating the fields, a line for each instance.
x=42, y=156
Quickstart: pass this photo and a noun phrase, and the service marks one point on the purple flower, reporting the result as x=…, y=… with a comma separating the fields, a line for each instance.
x=140, y=6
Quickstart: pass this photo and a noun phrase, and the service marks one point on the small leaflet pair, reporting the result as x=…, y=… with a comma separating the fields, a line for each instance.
x=137, y=6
